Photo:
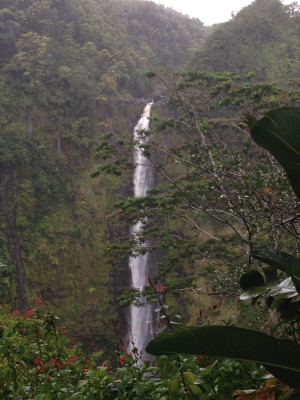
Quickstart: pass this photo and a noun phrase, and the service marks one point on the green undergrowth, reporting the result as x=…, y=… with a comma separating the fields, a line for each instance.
x=39, y=361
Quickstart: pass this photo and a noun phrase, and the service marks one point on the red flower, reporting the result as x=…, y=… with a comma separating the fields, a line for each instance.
x=55, y=362
x=161, y=288
x=58, y=365
x=92, y=343
x=39, y=363
x=29, y=313
x=16, y=312
x=38, y=301
x=106, y=365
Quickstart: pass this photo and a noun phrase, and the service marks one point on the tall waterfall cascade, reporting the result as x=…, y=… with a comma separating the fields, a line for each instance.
x=141, y=266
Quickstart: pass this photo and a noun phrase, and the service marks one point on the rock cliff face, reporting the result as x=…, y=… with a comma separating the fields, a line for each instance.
x=59, y=255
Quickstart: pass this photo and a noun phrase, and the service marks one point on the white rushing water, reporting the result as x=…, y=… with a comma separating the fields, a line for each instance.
x=141, y=318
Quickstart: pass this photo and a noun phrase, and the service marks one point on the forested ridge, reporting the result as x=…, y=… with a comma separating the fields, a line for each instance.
x=65, y=68
x=74, y=77
x=262, y=38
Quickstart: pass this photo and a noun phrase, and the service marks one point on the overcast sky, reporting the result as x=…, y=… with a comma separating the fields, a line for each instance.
x=209, y=11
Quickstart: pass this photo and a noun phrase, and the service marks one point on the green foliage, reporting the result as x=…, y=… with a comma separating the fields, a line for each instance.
x=149, y=74
x=223, y=341
x=235, y=343
x=280, y=260
x=251, y=279
x=278, y=132
x=262, y=38
x=69, y=71
x=217, y=195
x=6, y=279
x=39, y=361
x=36, y=360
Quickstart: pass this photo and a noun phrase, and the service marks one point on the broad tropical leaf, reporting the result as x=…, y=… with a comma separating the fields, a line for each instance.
x=286, y=289
x=279, y=133
x=279, y=355
x=271, y=275
x=278, y=259
x=253, y=293
x=256, y=284
x=252, y=279
x=282, y=261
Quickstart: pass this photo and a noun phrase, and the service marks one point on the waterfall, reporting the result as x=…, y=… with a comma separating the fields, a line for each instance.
x=141, y=266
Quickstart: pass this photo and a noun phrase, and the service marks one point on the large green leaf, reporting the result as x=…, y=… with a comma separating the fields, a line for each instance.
x=253, y=293
x=280, y=356
x=285, y=289
x=251, y=279
x=256, y=285
x=279, y=133
x=280, y=260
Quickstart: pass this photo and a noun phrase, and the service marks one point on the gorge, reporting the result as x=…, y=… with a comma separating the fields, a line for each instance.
x=103, y=216
x=71, y=72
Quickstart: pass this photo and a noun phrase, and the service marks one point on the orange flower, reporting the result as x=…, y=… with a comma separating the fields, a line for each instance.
x=122, y=359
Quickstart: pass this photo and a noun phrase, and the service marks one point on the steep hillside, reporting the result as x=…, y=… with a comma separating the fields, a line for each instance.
x=263, y=38
x=70, y=71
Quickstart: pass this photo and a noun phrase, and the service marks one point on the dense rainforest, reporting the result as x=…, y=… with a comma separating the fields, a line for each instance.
x=69, y=71
x=75, y=76
x=263, y=38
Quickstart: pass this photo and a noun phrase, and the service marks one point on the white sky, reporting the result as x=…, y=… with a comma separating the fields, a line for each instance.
x=209, y=11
